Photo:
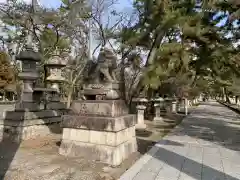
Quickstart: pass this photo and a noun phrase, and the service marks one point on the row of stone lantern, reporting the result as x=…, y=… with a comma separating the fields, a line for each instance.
x=159, y=102
x=31, y=95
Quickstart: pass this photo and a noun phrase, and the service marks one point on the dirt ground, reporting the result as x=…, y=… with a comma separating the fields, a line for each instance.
x=39, y=159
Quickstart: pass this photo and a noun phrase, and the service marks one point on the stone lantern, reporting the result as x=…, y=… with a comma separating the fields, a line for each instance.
x=54, y=67
x=28, y=75
x=140, y=113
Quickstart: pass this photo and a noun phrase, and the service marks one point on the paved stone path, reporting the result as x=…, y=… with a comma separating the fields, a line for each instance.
x=205, y=146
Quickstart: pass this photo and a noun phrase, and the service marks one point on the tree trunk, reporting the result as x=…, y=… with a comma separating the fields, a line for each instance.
x=69, y=97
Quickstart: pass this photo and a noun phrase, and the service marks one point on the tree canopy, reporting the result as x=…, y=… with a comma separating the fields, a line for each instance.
x=7, y=74
x=184, y=47
x=186, y=42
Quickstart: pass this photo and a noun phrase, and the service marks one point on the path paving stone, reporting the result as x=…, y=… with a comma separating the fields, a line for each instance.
x=205, y=146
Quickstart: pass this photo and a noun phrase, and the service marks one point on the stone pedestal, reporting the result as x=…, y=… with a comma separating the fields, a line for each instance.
x=99, y=130
x=21, y=125
x=140, y=117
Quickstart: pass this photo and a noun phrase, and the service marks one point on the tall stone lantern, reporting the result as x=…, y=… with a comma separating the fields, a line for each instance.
x=54, y=67
x=28, y=76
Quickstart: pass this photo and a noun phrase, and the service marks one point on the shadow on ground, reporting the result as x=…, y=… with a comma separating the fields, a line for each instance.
x=156, y=131
x=172, y=159
x=220, y=128
x=210, y=122
x=9, y=145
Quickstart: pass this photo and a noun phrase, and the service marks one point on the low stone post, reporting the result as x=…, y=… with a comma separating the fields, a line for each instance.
x=224, y=98
x=195, y=101
x=140, y=117
x=174, y=106
x=157, y=105
x=179, y=105
x=157, y=112
x=190, y=102
x=186, y=106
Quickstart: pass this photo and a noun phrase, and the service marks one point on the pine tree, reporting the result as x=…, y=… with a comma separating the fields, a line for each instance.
x=7, y=74
x=183, y=39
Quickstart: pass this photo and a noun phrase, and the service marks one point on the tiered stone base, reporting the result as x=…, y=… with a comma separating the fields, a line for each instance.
x=107, y=139
x=107, y=147
x=18, y=126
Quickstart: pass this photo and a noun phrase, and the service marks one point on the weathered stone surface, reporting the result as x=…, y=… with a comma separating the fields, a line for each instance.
x=27, y=106
x=106, y=86
x=98, y=137
x=106, y=154
x=111, y=108
x=4, y=106
x=99, y=123
x=30, y=122
x=20, y=133
x=21, y=115
x=19, y=125
x=55, y=106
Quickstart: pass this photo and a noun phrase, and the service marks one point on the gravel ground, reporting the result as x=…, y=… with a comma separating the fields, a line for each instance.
x=39, y=159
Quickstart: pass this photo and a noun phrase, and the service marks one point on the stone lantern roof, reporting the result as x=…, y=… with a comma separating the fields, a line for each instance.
x=29, y=55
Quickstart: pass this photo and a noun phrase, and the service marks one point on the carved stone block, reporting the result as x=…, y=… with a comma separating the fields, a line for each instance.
x=108, y=108
x=113, y=124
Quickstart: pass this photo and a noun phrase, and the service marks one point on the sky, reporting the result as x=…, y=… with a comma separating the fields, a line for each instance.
x=122, y=5
x=47, y=3
x=57, y=3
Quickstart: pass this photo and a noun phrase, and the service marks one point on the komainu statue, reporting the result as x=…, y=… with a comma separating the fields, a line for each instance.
x=103, y=70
